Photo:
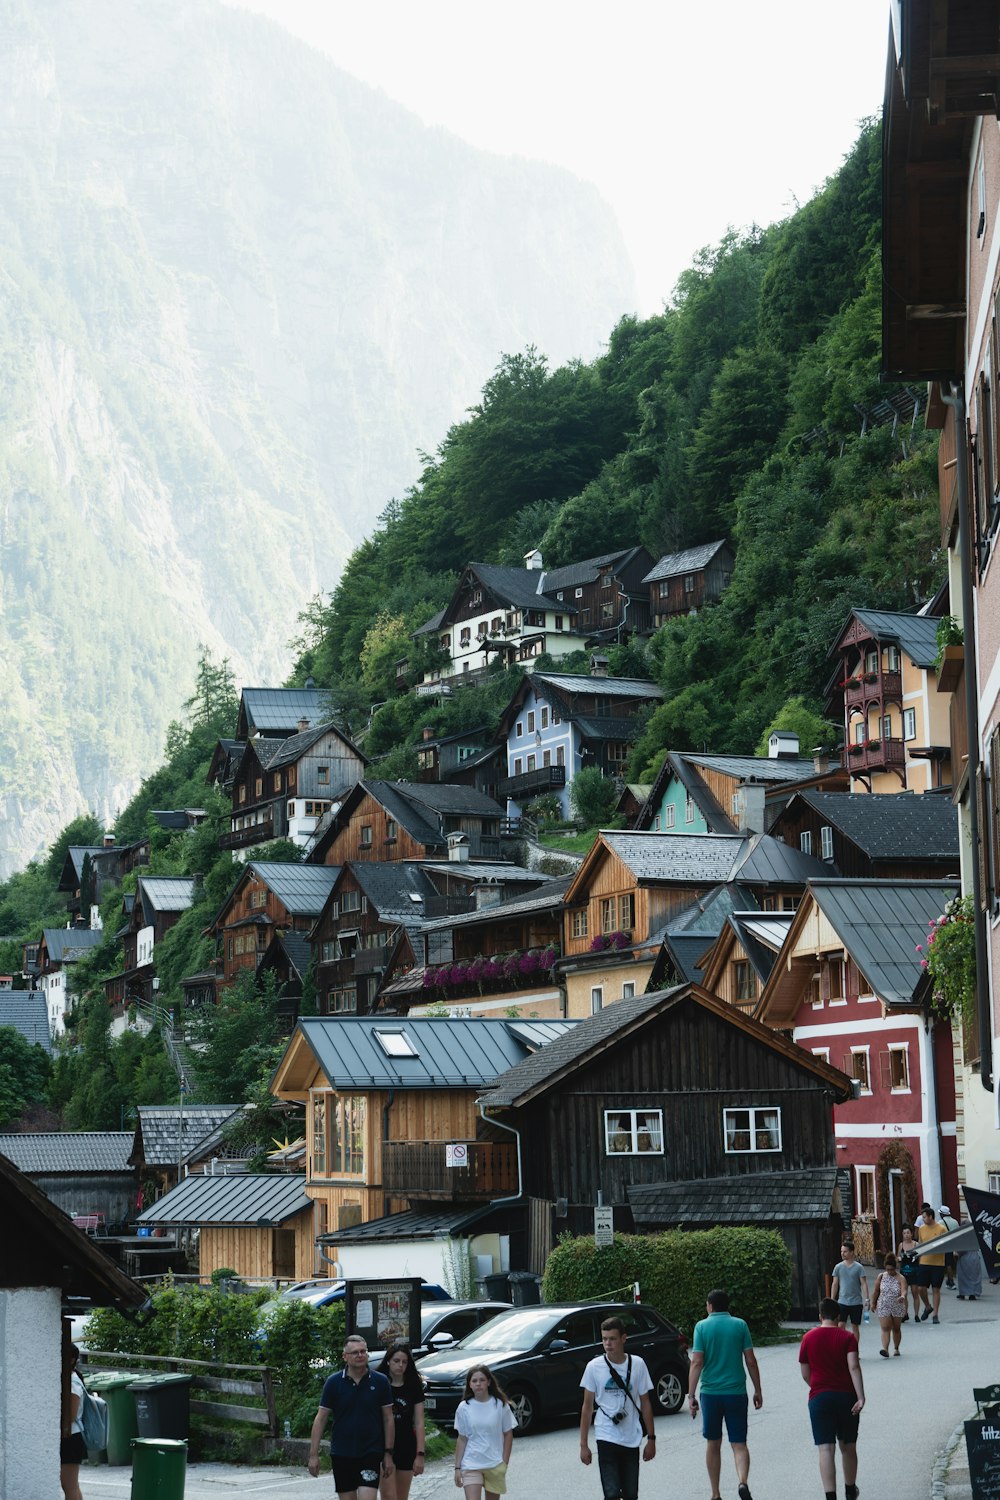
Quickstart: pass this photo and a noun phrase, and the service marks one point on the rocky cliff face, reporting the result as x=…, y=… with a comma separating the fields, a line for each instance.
x=238, y=292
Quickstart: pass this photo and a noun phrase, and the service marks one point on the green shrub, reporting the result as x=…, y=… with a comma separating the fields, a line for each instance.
x=677, y=1269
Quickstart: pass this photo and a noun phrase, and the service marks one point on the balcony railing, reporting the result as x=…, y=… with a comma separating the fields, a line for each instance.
x=533, y=783
x=879, y=755
x=418, y=1169
x=887, y=686
x=241, y=838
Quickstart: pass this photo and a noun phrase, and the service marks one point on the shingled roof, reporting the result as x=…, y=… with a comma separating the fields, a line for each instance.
x=893, y=826
x=799, y=1195
x=587, y=571
x=157, y=1141
x=691, y=560
x=80, y=1152
x=25, y=1011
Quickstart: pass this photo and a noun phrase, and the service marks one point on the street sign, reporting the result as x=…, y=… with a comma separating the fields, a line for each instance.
x=604, y=1227
x=456, y=1154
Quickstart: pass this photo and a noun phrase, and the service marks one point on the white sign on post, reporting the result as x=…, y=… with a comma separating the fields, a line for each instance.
x=456, y=1155
x=604, y=1227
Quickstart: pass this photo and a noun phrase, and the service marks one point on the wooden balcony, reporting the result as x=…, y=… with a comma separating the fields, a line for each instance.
x=533, y=783
x=883, y=755
x=886, y=687
x=243, y=838
x=418, y=1169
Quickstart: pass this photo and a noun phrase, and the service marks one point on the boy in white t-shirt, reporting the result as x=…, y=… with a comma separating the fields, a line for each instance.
x=617, y=1386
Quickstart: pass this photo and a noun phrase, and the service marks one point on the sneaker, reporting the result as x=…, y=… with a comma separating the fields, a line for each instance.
x=925, y=1315
x=884, y=1353
x=935, y=1319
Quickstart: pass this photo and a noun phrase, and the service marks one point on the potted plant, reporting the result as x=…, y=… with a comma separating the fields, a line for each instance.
x=950, y=658
x=874, y=744
x=949, y=958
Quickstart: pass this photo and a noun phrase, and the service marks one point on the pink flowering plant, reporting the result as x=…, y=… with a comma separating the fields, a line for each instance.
x=502, y=969
x=949, y=956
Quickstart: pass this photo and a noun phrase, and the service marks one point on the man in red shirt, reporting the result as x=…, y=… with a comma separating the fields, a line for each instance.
x=828, y=1359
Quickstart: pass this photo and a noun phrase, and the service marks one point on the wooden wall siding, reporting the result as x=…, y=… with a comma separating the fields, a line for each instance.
x=110, y=1194
x=413, y=1115
x=343, y=763
x=534, y=931
x=347, y=845
x=721, y=787
x=258, y=1253
x=691, y=1069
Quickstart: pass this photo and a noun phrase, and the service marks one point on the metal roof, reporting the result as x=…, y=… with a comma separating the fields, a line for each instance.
x=897, y=825
x=550, y=895
x=799, y=1195
x=80, y=1152
x=66, y=944
x=880, y=923
x=702, y=857
x=283, y=709
x=429, y=1222
x=450, y=1052
x=301, y=889
x=167, y=892
x=769, y=861
x=688, y=561
x=249, y=1198
x=26, y=1012
x=623, y=729
x=914, y=634
x=604, y=687
x=485, y=872
x=754, y=767
x=157, y=1131
x=76, y=854
x=583, y=572
x=761, y=936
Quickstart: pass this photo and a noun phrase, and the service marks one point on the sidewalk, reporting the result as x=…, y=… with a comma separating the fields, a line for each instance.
x=950, y=1476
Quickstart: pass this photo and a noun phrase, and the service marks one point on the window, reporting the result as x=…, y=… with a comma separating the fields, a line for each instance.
x=633, y=1132
x=860, y=731
x=665, y=588
x=605, y=580
x=277, y=781
x=669, y=815
x=560, y=755
x=396, y=1043
x=751, y=1130
x=519, y=730
x=517, y=765
x=259, y=787
x=578, y=593
x=909, y=723
x=476, y=597
x=546, y=757
x=545, y=718
x=689, y=583
x=559, y=622
x=351, y=901
x=243, y=794
x=531, y=763
x=596, y=999
x=347, y=1134
x=823, y=1053
x=826, y=842
x=559, y=596
x=496, y=625
x=628, y=990
x=892, y=658
x=865, y=1194
x=580, y=924
x=391, y=830
x=898, y=1068
x=608, y=914
x=745, y=981
x=806, y=842
x=837, y=992
x=319, y=1134
x=689, y=809
x=481, y=630
x=626, y=912
x=258, y=899
x=871, y=660
x=366, y=835
x=465, y=636
x=857, y=1068
x=531, y=721
x=323, y=775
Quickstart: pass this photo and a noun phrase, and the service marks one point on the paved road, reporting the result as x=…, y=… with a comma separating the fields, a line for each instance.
x=914, y=1403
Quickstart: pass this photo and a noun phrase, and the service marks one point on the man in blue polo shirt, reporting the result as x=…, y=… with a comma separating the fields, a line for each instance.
x=363, y=1433
x=721, y=1347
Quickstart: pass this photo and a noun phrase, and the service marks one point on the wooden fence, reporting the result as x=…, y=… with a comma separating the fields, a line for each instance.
x=215, y=1379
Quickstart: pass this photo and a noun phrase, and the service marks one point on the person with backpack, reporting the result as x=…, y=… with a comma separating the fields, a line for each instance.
x=71, y=1446
x=616, y=1386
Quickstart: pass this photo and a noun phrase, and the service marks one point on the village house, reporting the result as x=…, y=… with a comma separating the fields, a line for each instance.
x=558, y=723
x=391, y=1118
x=687, y=939
x=607, y=592
x=57, y=953
x=90, y=870
x=260, y=1225
x=277, y=713
x=468, y=758
x=898, y=835
x=683, y=582
x=701, y=793
x=390, y=820
x=267, y=898
x=157, y=905
x=941, y=323
x=674, y=1109
x=739, y=962
x=884, y=689
x=25, y=1012
x=86, y=1173
x=282, y=788
x=847, y=984
x=169, y=1136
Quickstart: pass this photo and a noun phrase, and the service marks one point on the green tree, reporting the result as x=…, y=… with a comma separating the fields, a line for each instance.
x=796, y=716
x=83, y=831
x=238, y=1040
x=24, y=1074
x=592, y=797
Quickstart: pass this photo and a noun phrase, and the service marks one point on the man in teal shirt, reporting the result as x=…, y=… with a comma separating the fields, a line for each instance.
x=722, y=1345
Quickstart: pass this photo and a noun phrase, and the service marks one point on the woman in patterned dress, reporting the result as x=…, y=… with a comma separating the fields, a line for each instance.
x=889, y=1304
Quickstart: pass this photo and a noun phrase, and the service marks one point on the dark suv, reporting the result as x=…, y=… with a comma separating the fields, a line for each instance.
x=538, y=1355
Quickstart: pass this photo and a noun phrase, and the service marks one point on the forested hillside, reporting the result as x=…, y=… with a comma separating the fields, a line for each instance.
x=749, y=409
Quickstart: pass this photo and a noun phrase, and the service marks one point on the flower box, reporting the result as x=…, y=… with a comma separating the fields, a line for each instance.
x=950, y=671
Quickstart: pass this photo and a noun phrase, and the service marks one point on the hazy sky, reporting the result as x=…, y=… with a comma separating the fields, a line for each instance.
x=687, y=117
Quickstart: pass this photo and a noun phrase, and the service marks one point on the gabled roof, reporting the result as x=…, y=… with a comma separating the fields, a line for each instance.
x=301, y=889
x=287, y=752
x=566, y=1054
x=897, y=825
x=64, y=945
x=798, y=1195
x=769, y=861
x=243, y=1198
x=279, y=711
x=359, y=1052
x=72, y=870
x=397, y=890
x=605, y=687
x=689, y=934
x=25, y=1011
x=520, y=587
x=165, y=892
x=701, y=858
x=295, y=947
x=80, y=1152
x=691, y=560
x=588, y=571
x=549, y=896
x=158, y=1137
x=754, y=767
x=914, y=634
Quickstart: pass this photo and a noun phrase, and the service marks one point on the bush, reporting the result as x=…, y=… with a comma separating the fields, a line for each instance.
x=592, y=797
x=677, y=1269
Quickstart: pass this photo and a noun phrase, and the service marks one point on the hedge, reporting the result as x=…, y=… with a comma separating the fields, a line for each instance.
x=675, y=1271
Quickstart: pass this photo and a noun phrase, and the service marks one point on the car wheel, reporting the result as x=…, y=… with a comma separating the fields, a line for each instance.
x=669, y=1387
x=525, y=1406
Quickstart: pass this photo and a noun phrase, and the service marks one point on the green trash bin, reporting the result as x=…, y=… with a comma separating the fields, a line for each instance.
x=158, y=1468
x=162, y=1405
x=113, y=1385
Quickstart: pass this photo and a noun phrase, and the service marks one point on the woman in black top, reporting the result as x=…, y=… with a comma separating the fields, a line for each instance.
x=408, y=1410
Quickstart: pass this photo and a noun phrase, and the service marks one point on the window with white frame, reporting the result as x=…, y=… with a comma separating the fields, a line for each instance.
x=860, y=731
x=545, y=718
x=826, y=842
x=608, y=906
x=751, y=1130
x=823, y=1053
x=596, y=998
x=897, y=1066
x=689, y=809
x=669, y=815
x=628, y=989
x=837, y=979
x=909, y=723
x=858, y=1068
x=531, y=721
x=806, y=842
x=892, y=658
x=580, y=923
x=865, y=1191
x=633, y=1132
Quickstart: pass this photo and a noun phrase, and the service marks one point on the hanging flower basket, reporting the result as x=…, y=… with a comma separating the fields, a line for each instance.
x=949, y=957
x=856, y=749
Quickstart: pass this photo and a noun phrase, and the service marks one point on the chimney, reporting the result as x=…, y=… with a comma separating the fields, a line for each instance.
x=783, y=746
x=458, y=848
x=598, y=665
x=303, y=725
x=533, y=560
x=821, y=761
x=750, y=807
x=428, y=731
x=108, y=841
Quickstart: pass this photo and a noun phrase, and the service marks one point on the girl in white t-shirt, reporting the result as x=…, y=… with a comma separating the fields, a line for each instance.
x=485, y=1426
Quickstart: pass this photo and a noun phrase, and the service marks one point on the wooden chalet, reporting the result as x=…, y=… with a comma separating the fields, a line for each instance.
x=157, y=905
x=90, y=871
x=278, y=713
x=702, y=793
x=738, y=964
x=260, y=1225
x=386, y=1098
x=630, y=887
x=898, y=836
x=676, y=1110
x=683, y=582
x=883, y=687
x=847, y=984
x=268, y=898
x=607, y=592
x=288, y=957
x=392, y=820
x=86, y=1173
x=283, y=787
x=167, y=1136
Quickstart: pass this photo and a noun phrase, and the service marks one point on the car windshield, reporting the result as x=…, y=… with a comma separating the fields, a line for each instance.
x=516, y=1330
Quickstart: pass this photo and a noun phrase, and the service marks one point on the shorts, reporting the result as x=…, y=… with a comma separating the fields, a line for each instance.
x=921, y=1275
x=350, y=1474
x=850, y=1312
x=72, y=1449
x=619, y=1470
x=493, y=1479
x=832, y=1419
x=404, y=1453
x=734, y=1408
x=935, y=1275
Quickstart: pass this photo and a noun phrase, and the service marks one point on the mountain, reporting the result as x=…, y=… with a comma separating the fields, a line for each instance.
x=238, y=291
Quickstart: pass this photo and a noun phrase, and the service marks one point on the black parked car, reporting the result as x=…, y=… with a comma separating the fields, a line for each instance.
x=443, y=1324
x=538, y=1355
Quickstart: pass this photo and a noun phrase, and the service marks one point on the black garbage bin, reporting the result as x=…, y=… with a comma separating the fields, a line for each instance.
x=525, y=1288
x=497, y=1286
x=162, y=1406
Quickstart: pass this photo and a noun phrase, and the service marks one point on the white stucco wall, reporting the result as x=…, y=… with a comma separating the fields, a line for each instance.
x=426, y=1258
x=30, y=1375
